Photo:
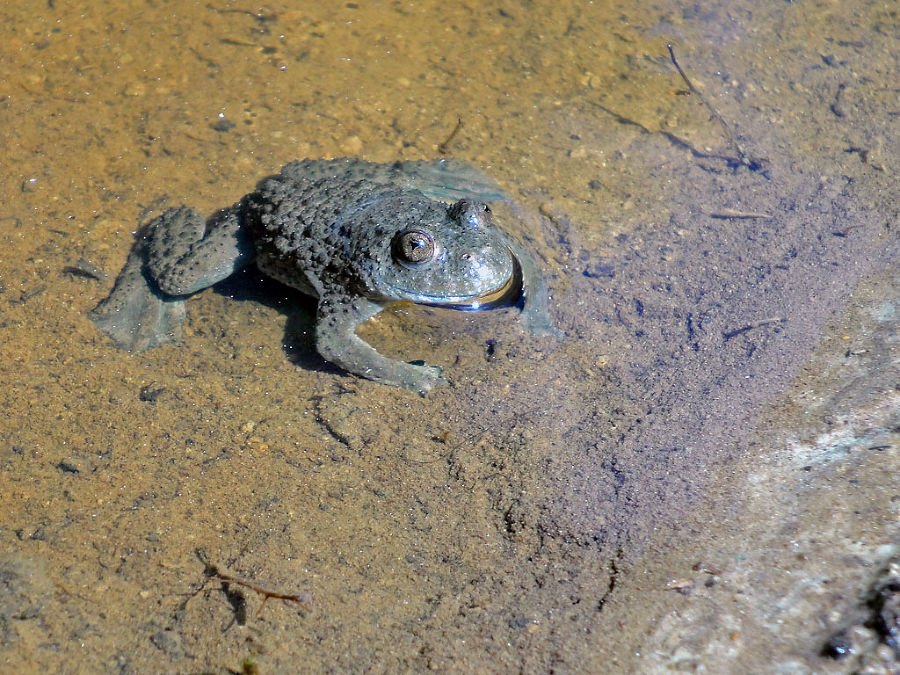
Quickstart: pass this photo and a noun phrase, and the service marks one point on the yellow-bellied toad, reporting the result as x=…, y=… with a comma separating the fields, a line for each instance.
x=353, y=234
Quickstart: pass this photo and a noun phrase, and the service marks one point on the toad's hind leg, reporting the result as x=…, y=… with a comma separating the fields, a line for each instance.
x=176, y=254
x=186, y=254
x=136, y=316
x=447, y=180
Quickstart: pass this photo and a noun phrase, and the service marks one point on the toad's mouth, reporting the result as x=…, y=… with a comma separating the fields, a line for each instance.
x=505, y=295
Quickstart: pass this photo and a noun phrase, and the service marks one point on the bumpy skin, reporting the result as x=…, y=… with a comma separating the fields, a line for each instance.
x=333, y=230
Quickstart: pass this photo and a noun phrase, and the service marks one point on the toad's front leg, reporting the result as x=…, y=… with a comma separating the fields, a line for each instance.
x=337, y=342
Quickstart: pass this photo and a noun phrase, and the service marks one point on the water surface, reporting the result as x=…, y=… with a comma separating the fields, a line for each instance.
x=558, y=502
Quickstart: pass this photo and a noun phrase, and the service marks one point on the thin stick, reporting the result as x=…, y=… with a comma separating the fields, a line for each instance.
x=444, y=147
x=724, y=214
x=213, y=571
x=741, y=155
x=299, y=598
x=750, y=326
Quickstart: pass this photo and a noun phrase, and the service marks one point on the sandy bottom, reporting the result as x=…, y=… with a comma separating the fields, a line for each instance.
x=701, y=476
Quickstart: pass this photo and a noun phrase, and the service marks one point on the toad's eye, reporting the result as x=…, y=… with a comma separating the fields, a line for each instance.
x=413, y=247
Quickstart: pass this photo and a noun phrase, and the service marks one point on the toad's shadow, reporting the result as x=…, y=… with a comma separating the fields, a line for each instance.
x=299, y=341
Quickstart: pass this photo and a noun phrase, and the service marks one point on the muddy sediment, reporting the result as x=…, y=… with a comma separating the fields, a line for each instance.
x=701, y=475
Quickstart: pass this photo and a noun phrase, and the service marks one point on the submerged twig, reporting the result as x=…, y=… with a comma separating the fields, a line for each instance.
x=725, y=214
x=736, y=158
x=214, y=572
x=750, y=326
x=84, y=268
x=740, y=156
x=444, y=147
x=621, y=119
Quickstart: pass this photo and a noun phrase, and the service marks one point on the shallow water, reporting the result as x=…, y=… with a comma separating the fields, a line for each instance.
x=727, y=289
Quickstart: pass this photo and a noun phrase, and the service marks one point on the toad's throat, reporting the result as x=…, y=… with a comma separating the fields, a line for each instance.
x=505, y=295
